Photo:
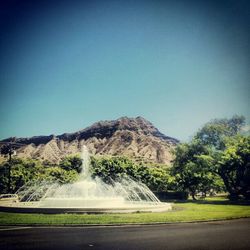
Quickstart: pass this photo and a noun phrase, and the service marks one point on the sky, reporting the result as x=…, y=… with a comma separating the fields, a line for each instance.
x=67, y=64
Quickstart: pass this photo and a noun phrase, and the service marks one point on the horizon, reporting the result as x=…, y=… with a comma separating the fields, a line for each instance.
x=68, y=65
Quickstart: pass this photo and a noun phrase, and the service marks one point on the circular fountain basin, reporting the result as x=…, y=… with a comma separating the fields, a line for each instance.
x=78, y=202
x=60, y=207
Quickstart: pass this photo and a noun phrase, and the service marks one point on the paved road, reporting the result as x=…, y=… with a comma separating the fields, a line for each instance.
x=233, y=234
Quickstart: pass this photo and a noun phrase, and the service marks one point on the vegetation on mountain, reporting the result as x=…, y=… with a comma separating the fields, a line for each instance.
x=135, y=138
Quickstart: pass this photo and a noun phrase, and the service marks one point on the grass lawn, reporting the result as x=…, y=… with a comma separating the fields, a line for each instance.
x=209, y=209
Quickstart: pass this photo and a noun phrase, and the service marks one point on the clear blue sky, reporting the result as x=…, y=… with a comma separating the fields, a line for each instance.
x=67, y=64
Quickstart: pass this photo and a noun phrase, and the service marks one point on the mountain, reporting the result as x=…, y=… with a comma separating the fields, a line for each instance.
x=133, y=137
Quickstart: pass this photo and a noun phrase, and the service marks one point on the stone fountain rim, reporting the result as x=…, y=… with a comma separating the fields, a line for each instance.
x=87, y=210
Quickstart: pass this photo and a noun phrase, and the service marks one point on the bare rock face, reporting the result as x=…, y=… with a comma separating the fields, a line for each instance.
x=133, y=137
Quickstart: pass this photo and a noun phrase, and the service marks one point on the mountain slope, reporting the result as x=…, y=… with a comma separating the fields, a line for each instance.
x=133, y=137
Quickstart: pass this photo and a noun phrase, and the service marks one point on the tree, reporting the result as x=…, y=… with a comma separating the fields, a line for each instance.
x=214, y=132
x=72, y=162
x=191, y=168
x=157, y=178
x=60, y=175
x=234, y=166
x=217, y=152
x=4, y=167
x=230, y=153
x=22, y=171
x=108, y=168
x=7, y=149
x=28, y=170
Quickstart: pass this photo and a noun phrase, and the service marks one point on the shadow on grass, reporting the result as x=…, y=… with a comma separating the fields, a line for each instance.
x=212, y=202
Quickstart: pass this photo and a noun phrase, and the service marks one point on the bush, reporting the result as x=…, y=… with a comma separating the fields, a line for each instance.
x=72, y=162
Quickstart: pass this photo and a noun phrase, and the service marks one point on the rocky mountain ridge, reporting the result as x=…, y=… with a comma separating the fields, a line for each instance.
x=133, y=137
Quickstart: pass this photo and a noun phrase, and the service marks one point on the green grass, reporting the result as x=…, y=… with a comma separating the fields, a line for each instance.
x=209, y=209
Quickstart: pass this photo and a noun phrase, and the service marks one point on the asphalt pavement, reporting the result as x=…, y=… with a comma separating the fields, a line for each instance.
x=229, y=235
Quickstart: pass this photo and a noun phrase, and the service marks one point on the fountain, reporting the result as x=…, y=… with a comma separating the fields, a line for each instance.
x=87, y=195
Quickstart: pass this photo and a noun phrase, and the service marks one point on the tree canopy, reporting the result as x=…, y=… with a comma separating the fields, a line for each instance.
x=217, y=154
